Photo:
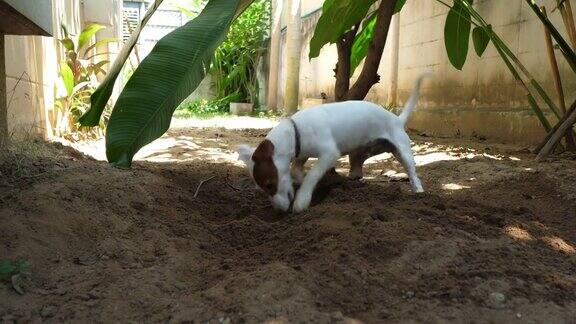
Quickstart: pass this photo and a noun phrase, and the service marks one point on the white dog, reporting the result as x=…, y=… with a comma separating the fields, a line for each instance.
x=359, y=129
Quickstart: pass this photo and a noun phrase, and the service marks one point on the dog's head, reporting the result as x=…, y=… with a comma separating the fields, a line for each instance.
x=270, y=171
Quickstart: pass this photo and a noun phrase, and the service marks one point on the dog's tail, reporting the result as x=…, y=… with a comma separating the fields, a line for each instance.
x=411, y=103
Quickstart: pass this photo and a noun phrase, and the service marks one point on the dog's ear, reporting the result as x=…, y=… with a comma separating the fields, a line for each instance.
x=245, y=152
x=264, y=151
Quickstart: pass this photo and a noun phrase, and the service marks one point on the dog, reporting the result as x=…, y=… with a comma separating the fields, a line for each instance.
x=359, y=129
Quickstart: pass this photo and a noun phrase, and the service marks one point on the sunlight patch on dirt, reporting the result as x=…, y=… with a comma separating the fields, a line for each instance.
x=518, y=233
x=184, y=148
x=559, y=244
x=231, y=122
x=180, y=148
x=164, y=150
x=454, y=186
x=378, y=158
x=423, y=159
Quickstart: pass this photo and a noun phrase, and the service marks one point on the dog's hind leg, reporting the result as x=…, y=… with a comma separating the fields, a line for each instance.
x=359, y=156
x=356, y=160
x=403, y=153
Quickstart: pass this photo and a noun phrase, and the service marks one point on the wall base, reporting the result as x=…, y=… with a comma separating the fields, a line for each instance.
x=507, y=126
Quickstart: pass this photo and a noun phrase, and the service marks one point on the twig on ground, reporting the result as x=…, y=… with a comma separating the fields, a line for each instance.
x=231, y=186
x=555, y=133
x=33, y=175
x=200, y=185
x=565, y=125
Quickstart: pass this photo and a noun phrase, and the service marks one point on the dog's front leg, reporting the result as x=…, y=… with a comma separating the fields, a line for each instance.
x=304, y=194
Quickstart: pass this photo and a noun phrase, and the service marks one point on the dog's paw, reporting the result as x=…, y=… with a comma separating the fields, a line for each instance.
x=417, y=187
x=356, y=173
x=299, y=207
x=301, y=203
x=355, y=177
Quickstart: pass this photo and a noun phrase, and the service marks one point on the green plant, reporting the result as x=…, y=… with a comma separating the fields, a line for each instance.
x=69, y=110
x=339, y=18
x=235, y=61
x=11, y=268
x=565, y=127
x=341, y=21
x=457, y=32
x=99, y=99
x=172, y=70
x=179, y=62
x=78, y=74
x=191, y=8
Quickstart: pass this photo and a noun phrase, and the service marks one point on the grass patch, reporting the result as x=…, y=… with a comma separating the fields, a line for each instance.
x=206, y=109
x=11, y=268
x=185, y=114
x=266, y=114
x=203, y=109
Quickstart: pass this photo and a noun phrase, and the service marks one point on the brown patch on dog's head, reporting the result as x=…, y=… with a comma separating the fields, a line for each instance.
x=265, y=172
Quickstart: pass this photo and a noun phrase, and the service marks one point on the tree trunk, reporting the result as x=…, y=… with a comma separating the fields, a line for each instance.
x=293, y=48
x=3, y=103
x=369, y=75
x=272, y=101
x=342, y=70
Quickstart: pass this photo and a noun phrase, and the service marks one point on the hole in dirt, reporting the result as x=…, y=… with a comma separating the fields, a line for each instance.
x=268, y=215
x=331, y=181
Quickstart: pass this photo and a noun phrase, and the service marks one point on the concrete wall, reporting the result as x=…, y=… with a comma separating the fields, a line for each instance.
x=32, y=72
x=32, y=63
x=29, y=83
x=483, y=99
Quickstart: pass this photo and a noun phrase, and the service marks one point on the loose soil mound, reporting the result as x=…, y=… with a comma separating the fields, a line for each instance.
x=493, y=240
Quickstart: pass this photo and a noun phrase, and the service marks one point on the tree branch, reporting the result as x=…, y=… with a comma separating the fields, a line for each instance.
x=369, y=75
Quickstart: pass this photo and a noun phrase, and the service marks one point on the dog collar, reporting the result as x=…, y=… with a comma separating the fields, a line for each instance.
x=296, y=138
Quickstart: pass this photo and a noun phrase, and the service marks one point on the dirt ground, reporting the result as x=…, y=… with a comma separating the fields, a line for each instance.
x=492, y=241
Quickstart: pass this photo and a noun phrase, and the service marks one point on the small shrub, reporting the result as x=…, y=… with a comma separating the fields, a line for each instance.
x=78, y=74
x=234, y=68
